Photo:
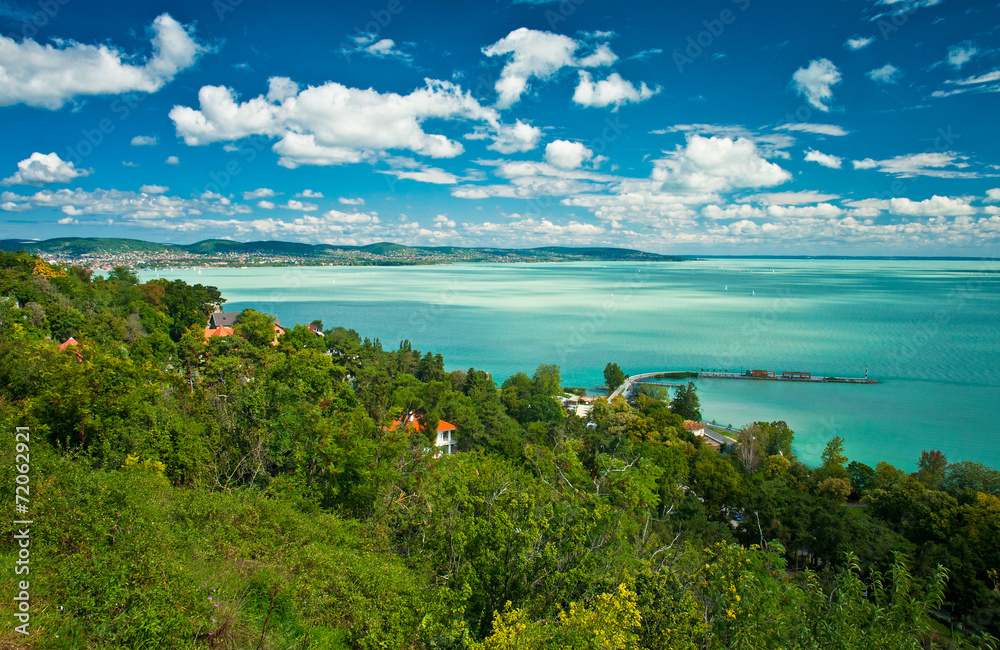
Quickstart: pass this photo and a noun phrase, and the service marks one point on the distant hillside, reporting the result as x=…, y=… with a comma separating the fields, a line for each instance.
x=108, y=251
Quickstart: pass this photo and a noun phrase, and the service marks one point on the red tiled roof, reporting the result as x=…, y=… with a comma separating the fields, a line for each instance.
x=68, y=343
x=691, y=425
x=418, y=424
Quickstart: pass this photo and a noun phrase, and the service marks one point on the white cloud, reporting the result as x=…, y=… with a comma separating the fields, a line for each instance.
x=129, y=163
x=984, y=83
x=567, y=155
x=333, y=124
x=993, y=75
x=717, y=164
x=993, y=194
x=814, y=82
x=369, y=44
x=259, y=193
x=48, y=76
x=612, y=90
x=442, y=221
x=901, y=7
x=820, y=129
x=511, y=138
x=265, y=205
x=887, y=74
x=301, y=206
x=134, y=207
x=858, y=42
x=533, y=54
x=936, y=206
x=172, y=160
x=959, y=55
x=309, y=194
x=789, y=198
x=351, y=201
x=144, y=141
x=946, y=164
x=154, y=189
x=424, y=174
x=44, y=168
x=833, y=162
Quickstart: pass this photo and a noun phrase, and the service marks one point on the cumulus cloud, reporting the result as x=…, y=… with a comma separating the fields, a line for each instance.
x=993, y=194
x=301, y=206
x=135, y=207
x=266, y=205
x=833, y=162
x=48, y=76
x=858, y=42
x=333, y=124
x=567, y=155
x=717, y=164
x=44, y=168
x=815, y=81
x=510, y=138
x=309, y=194
x=936, y=206
x=946, y=164
x=344, y=200
x=172, y=160
x=259, y=193
x=533, y=54
x=887, y=74
x=819, y=129
x=144, y=141
x=154, y=189
x=612, y=90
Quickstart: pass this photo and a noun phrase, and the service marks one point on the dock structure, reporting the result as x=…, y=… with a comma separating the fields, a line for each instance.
x=751, y=375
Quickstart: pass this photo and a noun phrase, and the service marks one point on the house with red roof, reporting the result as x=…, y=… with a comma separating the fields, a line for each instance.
x=223, y=323
x=72, y=343
x=446, y=441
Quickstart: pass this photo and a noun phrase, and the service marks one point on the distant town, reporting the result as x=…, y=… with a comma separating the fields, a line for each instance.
x=106, y=253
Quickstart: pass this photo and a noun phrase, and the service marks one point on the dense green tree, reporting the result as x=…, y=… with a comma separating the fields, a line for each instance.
x=686, y=403
x=255, y=327
x=614, y=376
x=833, y=460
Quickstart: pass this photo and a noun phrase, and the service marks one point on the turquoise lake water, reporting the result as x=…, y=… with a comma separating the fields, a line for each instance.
x=929, y=331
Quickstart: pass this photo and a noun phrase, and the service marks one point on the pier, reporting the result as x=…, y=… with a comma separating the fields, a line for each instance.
x=750, y=375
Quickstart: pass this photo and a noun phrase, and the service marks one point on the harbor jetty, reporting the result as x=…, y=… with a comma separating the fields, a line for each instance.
x=751, y=375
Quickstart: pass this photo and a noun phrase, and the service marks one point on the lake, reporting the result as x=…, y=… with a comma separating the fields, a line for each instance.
x=927, y=330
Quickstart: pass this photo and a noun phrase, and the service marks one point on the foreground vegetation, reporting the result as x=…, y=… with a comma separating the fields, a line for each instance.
x=237, y=494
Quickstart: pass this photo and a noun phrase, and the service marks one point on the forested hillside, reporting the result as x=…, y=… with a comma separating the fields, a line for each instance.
x=238, y=494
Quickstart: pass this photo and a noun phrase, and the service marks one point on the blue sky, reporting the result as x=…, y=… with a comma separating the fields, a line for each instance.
x=733, y=126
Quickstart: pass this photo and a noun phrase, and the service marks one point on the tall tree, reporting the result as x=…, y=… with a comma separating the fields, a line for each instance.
x=614, y=376
x=686, y=403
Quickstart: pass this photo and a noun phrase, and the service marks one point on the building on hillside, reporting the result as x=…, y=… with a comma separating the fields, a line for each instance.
x=701, y=430
x=315, y=330
x=74, y=346
x=447, y=439
x=223, y=323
